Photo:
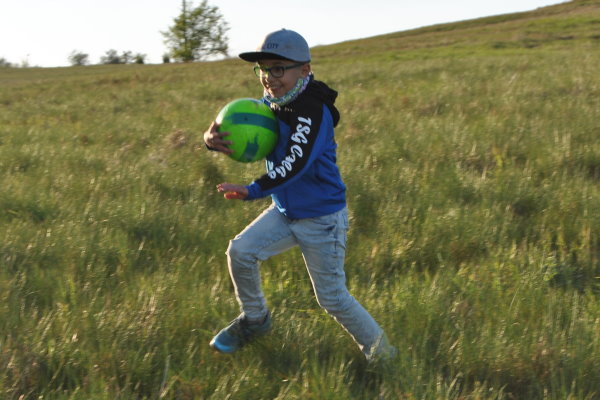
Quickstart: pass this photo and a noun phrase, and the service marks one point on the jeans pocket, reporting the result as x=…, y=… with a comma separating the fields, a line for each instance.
x=325, y=223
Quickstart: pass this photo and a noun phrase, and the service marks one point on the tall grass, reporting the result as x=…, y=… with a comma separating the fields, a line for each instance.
x=472, y=171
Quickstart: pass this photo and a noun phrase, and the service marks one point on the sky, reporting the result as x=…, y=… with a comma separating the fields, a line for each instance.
x=44, y=33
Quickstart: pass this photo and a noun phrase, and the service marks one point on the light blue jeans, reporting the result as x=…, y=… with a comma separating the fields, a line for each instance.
x=322, y=241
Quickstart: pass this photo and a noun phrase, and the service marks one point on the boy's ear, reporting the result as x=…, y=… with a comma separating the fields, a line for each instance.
x=306, y=70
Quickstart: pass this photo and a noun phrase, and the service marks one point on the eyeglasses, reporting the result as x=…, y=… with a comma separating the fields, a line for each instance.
x=276, y=71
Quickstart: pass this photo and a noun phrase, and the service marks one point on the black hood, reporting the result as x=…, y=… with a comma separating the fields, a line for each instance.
x=327, y=95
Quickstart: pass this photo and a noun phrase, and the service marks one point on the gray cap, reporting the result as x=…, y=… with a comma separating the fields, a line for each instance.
x=282, y=44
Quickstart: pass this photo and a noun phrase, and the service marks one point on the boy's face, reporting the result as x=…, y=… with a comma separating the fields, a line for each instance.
x=277, y=85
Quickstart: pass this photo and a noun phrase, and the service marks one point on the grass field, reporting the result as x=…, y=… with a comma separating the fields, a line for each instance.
x=472, y=161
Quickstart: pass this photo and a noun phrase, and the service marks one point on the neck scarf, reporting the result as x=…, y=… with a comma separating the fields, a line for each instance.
x=289, y=96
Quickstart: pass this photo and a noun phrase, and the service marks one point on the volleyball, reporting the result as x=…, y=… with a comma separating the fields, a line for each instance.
x=252, y=127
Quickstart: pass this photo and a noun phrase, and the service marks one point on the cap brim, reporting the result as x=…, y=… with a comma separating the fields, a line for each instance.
x=254, y=56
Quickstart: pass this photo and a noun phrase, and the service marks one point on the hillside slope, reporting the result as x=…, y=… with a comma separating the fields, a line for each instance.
x=557, y=25
x=471, y=157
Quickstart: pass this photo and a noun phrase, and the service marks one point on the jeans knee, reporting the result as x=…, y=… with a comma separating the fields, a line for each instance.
x=238, y=251
x=336, y=302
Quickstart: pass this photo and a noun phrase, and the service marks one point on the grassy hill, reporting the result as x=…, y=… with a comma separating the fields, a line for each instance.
x=471, y=155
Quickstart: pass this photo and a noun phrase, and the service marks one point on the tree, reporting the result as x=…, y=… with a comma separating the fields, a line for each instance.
x=78, y=58
x=126, y=57
x=139, y=58
x=4, y=63
x=197, y=33
x=111, y=57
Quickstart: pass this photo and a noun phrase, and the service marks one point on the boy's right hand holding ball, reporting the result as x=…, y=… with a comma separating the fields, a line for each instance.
x=214, y=139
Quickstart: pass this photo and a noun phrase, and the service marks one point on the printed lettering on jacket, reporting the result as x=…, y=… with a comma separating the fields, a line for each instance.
x=302, y=119
x=299, y=137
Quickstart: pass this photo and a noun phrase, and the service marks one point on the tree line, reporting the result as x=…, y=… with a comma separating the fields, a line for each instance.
x=197, y=33
x=79, y=58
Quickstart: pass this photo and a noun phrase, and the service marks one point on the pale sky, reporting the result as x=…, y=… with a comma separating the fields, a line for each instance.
x=45, y=32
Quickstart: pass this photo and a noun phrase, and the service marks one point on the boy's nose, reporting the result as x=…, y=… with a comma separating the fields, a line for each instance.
x=269, y=78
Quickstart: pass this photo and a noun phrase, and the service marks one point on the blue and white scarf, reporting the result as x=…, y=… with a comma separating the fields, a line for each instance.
x=289, y=96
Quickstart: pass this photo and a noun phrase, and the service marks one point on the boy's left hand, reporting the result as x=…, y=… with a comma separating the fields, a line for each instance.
x=233, y=191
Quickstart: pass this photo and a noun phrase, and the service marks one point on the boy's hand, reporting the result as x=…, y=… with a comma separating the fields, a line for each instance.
x=214, y=140
x=233, y=191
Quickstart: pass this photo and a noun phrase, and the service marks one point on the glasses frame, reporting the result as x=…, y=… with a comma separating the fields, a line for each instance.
x=269, y=71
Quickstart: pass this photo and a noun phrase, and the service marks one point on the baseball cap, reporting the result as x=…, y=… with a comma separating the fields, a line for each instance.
x=281, y=44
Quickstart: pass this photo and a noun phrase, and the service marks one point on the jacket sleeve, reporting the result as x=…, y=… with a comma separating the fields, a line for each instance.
x=307, y=141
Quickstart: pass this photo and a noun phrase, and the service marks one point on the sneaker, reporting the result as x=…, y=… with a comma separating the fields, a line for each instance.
x=239, y=332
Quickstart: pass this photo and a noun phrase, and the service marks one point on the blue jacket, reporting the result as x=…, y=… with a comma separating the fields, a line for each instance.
x=302, y=176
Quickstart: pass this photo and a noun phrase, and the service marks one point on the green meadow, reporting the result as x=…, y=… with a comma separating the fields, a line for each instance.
x=471, y=152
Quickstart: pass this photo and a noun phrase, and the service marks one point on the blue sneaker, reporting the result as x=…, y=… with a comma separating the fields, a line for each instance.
x=238, y=333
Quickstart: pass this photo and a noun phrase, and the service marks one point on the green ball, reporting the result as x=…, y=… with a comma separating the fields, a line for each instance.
x=252, y=127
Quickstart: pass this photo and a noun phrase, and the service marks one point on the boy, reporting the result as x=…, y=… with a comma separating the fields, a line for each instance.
x=309, y=202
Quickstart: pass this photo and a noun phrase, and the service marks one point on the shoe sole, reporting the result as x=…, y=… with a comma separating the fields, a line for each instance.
x=221, y=349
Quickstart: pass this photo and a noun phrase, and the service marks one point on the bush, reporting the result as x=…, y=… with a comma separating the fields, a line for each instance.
x=78, y=58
